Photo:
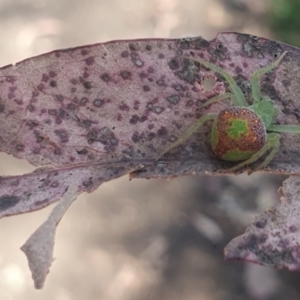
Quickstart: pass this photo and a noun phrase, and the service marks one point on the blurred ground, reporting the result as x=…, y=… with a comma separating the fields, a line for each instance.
x=139, y=240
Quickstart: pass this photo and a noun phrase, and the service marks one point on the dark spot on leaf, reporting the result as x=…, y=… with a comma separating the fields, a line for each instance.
x=104, y=136
x=38, y=136
x=15, y=183
x=41, y=203
x=179, y=87
x=31, y=108
x=62, y=113
x=7, y=201
x=132, y=46
x=82, y=151
x=36, y=150
x=135, y=137
x=134, y=119
x=136, y=105
x=124, y=107
x=219, y=46
x=58, y=120
x=261, y=224
x=87, y=123
x=173, y=64
x=53, y=83
x=74, y=81
x=10, y=79
x=135, y=58
x=19, y=101
x=98, y=102
x=162, y=131
x=161, y=56
x=90, y=60
x=84, y=52
x=54, y=184
x=57, y=54
x=45, y=77
x=41, y=87
x=143, y=75
x=2, y=108
x=293, y=228
x=184, y=44
x=87, y=85
x=151, y=136
x=57, y=151
x=20, y=147
x=143, y=119
x=189, y=71
x=150, y=126
x=189, y=103
x=238, y=70
x=71, y=106
x=201, y=43
x=52, y=74
x=59, y=98
x=146, y=88
x=88, y=183
x=124, y=54
x=148, y=47
x=105, y=77
x=52, y=112
x=62, y=134
x=125, y=75
x=174, y=99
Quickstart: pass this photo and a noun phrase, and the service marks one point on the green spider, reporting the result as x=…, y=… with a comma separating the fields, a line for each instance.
x=243, y=132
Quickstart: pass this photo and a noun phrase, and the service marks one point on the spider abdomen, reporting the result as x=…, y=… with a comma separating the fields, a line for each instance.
x=237, y=133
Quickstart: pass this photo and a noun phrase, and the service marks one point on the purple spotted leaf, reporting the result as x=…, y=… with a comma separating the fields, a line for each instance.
x=93, y=113
x=273, y=239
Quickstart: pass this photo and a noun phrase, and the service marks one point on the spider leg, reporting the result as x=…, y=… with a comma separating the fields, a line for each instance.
x=273, y=144
x=284, y=128
x=188, y=133
x=239, y=99
x=255, y=86
x=217, y=98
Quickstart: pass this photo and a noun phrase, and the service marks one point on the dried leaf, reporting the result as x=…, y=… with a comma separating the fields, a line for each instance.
x=117, y=105
x=39, y=247
x=273, y=239
x=97, y=112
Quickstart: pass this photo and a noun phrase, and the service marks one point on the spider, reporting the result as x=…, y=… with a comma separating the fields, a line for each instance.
x=242, y=133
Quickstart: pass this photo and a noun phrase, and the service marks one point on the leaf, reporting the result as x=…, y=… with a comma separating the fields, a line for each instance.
x=39, y=247
x=120, y=103
x=273, y=238
x=90, y=114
